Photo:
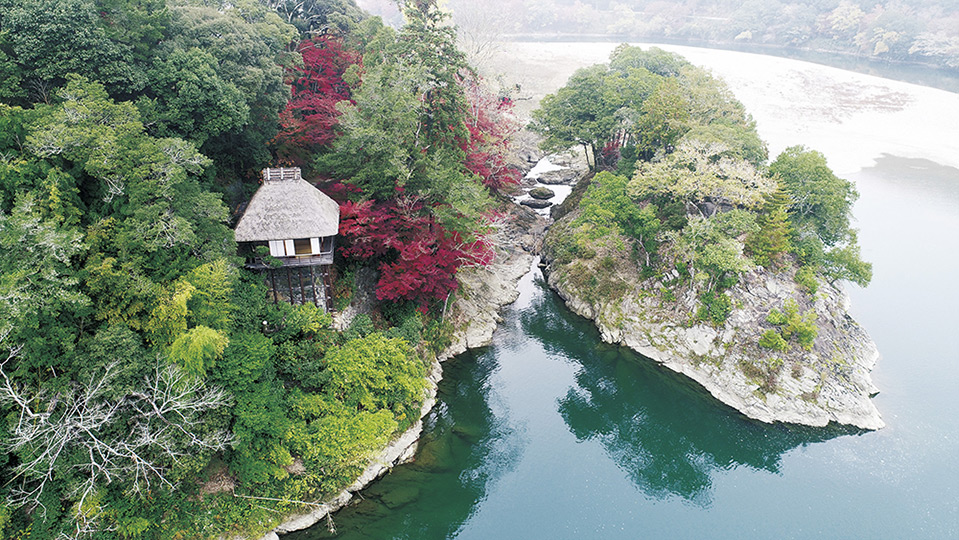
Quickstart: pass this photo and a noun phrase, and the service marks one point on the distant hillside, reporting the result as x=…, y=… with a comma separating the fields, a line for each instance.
x=904, y=31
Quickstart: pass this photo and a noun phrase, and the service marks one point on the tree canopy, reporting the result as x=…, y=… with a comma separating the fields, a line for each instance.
x=692, y=191
x=142, y=368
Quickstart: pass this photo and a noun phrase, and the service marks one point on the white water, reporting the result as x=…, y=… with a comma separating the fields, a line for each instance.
x=561, y=191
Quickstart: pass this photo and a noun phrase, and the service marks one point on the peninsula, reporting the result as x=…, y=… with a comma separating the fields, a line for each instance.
x=688, y=246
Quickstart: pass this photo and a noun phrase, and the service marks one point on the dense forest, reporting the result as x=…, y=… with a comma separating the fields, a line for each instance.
x=683, y=191
x=913, y=31
x=149, y=388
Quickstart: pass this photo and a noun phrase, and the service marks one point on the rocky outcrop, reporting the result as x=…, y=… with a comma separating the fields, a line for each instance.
x=655, y=317
x=542, y=193
x=536, y=203
x=483, y=292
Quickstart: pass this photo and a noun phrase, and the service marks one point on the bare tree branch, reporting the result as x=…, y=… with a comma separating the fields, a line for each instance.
x=134, y=439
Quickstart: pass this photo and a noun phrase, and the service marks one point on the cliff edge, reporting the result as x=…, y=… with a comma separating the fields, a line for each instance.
x=822, y=381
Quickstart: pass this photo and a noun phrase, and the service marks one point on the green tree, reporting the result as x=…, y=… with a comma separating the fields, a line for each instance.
x=382, y=146
x=198, y=349
x=319, y=16
x=700, y=171
x=740, y=141
x=821, y=201
x=260, y=420
x=168, y=222
x=607, y=209
x=708, y=251
x=665, y=117
x=209, y=304
x=771, y=241
x=845, y=262
x=247, y=41
x=168, y=318
x=40, y=301
x=577, y=113
x=190, y=100
x=820, y=213
x=45, y=40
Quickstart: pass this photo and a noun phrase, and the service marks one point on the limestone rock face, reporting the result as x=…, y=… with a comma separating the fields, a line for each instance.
x=828, y=383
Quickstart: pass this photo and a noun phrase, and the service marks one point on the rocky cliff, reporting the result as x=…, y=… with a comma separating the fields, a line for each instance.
x=827, y=381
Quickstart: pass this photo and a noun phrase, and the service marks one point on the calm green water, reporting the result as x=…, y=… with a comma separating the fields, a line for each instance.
x=550, y=434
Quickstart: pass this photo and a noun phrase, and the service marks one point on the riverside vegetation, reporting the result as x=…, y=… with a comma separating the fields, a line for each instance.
x=149, y=388
x=686, y=245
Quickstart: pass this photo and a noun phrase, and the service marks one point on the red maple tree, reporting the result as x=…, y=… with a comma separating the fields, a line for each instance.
x=308, y=123
x=491, y=123
x=418, y=257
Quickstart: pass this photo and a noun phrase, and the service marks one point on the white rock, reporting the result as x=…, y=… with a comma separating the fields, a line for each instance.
x=843, y=353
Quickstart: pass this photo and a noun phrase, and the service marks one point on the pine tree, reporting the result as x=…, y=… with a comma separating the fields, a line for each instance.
x=772, y=240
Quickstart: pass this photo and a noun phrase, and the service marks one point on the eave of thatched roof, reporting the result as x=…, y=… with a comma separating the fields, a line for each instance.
x=288, y=209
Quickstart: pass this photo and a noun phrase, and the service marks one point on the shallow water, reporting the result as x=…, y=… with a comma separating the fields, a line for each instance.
x=550, y=434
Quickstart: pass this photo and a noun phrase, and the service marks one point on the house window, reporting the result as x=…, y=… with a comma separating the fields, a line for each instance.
x=302, y=246
x=326, y=244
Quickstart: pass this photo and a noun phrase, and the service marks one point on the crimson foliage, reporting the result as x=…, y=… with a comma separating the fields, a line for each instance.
x=309, y=121
x=490, y=123
x=418, y=256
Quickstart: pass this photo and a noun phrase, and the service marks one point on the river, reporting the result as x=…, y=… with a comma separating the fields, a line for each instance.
x=551, y=434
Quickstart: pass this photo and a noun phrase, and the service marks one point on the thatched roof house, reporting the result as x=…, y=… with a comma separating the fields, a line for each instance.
x=299, y=223
x=287, y=207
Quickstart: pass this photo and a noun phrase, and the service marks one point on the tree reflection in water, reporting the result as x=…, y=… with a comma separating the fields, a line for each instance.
x=465, y=447
x=664, y=431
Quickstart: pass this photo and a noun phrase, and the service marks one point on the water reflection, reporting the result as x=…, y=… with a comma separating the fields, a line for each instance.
x=465, y=447
x=938, y=184
x=665, y=432
x=497, y=448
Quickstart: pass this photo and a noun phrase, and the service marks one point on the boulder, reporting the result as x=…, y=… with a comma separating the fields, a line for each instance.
x=541, y=193
x=559, y=176
x=536, y=203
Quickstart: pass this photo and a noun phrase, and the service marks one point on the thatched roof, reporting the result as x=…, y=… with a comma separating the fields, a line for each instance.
x=287, y=207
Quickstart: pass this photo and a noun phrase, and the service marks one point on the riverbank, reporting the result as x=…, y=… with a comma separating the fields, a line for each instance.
x=483, y=292
x=644, y=451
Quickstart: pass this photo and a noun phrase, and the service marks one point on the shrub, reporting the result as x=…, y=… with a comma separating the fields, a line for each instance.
x=360, y=327
x=803, y=326
x=771, y=339
x=374, y=373
x=806, y=278
x=715, y=307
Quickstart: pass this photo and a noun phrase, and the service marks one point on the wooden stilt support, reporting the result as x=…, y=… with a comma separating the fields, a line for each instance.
x=313, y=284
x=328, y=288
x=289, y=284
x=299, y=274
